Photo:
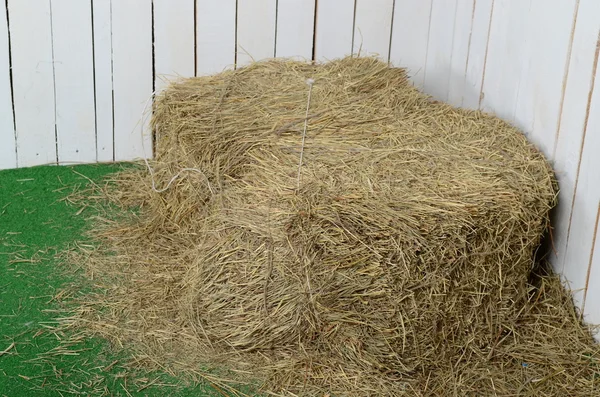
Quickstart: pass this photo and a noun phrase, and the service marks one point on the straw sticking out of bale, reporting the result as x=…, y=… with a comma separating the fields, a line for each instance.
x=387, y=251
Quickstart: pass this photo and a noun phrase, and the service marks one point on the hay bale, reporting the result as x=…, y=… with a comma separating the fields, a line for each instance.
x=387, y=251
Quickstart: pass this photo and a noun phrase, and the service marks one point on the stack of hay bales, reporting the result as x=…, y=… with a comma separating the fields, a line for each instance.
x=384, y=250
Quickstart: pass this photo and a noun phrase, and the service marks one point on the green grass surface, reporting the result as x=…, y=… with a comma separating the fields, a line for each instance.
x=35, y=224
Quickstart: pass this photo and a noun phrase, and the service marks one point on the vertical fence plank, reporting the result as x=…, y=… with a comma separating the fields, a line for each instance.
x=478, y=50
x=33, y=81
x=132, y=77
x=255, y=30
x=585, y=206
x=173, y=41
x=373, y=28
x=295, y=28
x=591, y=306
x=439, y=49
x=8, y=156
x=215, y=38
x=463, y=25
x=506, y=50
x=410, y=35
x=103, y=79
x=74, y=81
x=570, y=131
x=335, y=24
x=545, y=61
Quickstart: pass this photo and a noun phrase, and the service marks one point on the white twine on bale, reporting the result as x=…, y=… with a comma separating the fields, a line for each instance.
x=310, y=83
x=144, y=117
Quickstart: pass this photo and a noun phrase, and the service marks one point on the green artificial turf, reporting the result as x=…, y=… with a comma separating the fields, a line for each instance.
x=35, y=224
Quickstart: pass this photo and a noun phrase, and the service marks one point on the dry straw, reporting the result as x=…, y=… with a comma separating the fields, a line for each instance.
x=400, y=265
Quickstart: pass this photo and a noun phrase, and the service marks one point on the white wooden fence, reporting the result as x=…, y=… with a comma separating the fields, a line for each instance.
x=75, y=76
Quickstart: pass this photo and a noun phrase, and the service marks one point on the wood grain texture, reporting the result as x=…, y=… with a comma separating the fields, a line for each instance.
x=8, y=155
x=373, y=28
x=132, y=77
x=215, y=35
x=578, y=243
x=543, y=69
x=478, y=51
x=463, y=24
x=74, y=81
x=591, y=308
x=410, y=36
x=255, y=30
x=438, y=68
x=295, y=29
x=507, y=48
x=174, y=46
x=33, y=81
x=103, y=79
x=334, y=30
x=571, y=135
